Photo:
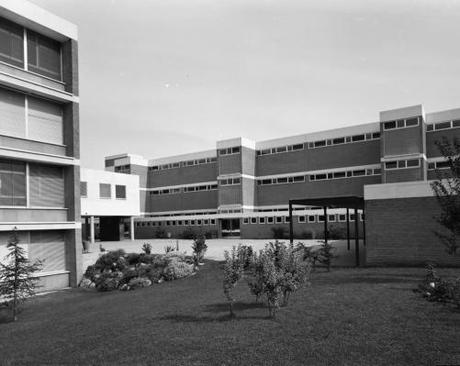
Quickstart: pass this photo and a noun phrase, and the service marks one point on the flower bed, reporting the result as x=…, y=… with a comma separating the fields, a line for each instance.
x=118, y=270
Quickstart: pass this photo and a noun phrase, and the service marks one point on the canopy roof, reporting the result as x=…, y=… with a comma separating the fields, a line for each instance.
x=331, y=202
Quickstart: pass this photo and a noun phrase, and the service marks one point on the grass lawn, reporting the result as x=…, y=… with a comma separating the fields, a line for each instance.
x=366, y=316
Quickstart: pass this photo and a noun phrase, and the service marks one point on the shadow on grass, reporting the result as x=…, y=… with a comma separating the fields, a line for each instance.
x=5, y=316
x=238, y=308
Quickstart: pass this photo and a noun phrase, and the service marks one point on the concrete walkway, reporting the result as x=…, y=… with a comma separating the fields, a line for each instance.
x=216, y=248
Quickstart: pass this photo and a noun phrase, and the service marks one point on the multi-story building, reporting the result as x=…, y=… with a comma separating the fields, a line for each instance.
x=242, y=188
x=39, y=139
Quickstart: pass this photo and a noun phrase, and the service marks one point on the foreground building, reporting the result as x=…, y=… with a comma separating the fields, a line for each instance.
x=242, y=188
x=39, y=139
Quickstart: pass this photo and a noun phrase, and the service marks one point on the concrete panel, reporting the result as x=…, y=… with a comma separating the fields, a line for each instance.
x=32, y=215
x=403, y=175
x=36, y=146
x=402, y=141
x=248, y=161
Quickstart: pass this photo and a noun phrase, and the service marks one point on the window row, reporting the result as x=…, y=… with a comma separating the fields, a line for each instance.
x=280, y=149
x=206, y=187
x=443, y=125
x=183, y=164
x=197, y=222
x=230, y=151
x=125, y=169
x=43, y=53
x=30, y=118
x=345, y=174
x=402, y=164
x=438, y=165
x=300, y=219
x=401, y=123
x=229, y=181
x=105, y=190
x=319, y=176
x=184, y=214
x=25, y=184
x=344, y=140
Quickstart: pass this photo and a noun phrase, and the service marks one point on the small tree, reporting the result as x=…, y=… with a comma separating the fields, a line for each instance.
x=199, y=248
x=326, y=254
x=16, y=276
x=233, y=271
x=147, y=248
x=447, y=191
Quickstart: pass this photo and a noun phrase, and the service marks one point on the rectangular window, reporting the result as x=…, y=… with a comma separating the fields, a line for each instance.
x=429, y=128
x=376, y=135
x=442, y=165
x=270, y=220
x=411, y=122
x=120, y=191
x=11, y=43
x=331, y=218
x=311, y=218
x=261, y=220
x=253, y=220
x=456, y=123
x=213, y=221
x=413, y=163
x=389, y=125
x=235, y=150
x=442, y=126
x=320, y=143
x=50, y=247
x=105, y=190
x=298, y=179
x=246, y=220
x=287, y=219
x=320, y=218
x=279, y=219
x=281, y=149
x=46, y=186
x=12, y=183
x=338, y=175
x=391, y=165
x=342, y=217
x=297, y=147
x=44, y=55
x=357, y=138
x=338, y=141
x=84, y=189
x=301, y=219
x=12, y=114
x=45, y=121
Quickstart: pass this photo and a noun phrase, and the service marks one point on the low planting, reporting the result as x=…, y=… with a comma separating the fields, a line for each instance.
x=118, y=270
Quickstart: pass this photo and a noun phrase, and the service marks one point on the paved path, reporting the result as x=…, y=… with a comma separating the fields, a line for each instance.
x=216, y=248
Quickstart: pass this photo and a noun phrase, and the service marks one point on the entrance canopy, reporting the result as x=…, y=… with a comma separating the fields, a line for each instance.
x=355, y=202
x=349, y=202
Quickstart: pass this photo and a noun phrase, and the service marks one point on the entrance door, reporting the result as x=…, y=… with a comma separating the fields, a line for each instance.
x=230, y=227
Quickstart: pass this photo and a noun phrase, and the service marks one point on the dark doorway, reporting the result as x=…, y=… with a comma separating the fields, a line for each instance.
x=230, y=227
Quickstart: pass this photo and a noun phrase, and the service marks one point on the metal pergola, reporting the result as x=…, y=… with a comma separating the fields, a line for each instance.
x=349, y=202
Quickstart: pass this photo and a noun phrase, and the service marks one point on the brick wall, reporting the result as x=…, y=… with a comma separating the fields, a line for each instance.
x=400, y=231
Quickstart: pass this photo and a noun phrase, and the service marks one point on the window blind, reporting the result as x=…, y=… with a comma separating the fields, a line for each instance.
x=48, y=246
x=46, y=186
x=45, y=121
x=12, y=183
x=12, y=114
x=11, y=43
x=44, y=55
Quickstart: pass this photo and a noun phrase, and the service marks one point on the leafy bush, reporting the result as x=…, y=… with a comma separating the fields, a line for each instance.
x=188, y=233
x=210, y=234
x=326, y=254
x=279, y=232
x=139, y=282
x=112, y=261
x=128, y=275
x=199, y=249
x=147, y=248
x=176, y=269
x=434, y=288
x=233, y=271
x=108, y=281
x=91, y=272
x=337, y=233
x=309, y=254
x=160, y=234
x=133, y=259
x=151, y=272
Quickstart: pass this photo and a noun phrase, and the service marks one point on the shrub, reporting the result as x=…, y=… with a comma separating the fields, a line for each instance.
x=147, y=248
x=306, y=234
x=169, y=249
x=199, y=248
x=337, y=233
x=434, y=288
x=128, y=275
x=160, y=234
x=246, y=256
x=152, y=273
x=108, y=281
x=279, y=232
x=326, y=254
x=139, y=282
x=188, y=233
x=309, y=254
x=176, y=269
x=133, y=259
x=233, y=271
x=112, y=261
x=210, y=234
x=91, y=272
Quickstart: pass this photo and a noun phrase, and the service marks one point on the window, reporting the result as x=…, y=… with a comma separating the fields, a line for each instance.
x=44, y=121
x=246, y=220
x=261, y=220
x=391, y=165
x=269, y=220
x=84, y=189
x=120, y=191
x=44, y=55
x=442, y=126
x=279, y=219
x=357, y=138
x=12, y=114
x=389, y=125
x=213, y=221
x=105, y=190
x=46, y=186
x=12, y=183
x=301, y=219
x=11, y=43
x=342, y=217
x=311, y=218
x=320, y=218
x=253, y=220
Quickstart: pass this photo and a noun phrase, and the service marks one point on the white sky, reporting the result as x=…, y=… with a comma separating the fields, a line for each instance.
x=166, y=77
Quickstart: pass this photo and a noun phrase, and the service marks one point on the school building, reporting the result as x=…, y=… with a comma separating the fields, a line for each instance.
x=243, y=188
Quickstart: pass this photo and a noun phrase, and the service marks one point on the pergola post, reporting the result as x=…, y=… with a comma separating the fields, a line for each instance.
x=356, y=238
x=348, y=229
x=291, y=225
x=325, y=223
x=364, y=229
x=92, y=230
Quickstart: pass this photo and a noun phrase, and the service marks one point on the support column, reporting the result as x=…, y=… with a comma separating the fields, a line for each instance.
x=348, y=228
x=91, y=230
x=364, y=229
x=325, y=224
x=131, y=228
x=356, y=238
x=291, y=225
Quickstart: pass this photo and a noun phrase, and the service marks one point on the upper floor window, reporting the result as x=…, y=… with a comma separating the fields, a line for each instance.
x=401, y=123
x=105, y=190
x=84, y=189
x=230, y=150
x=11, y=43
x=12, y=183
x=43, y=55
x=120, y=191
